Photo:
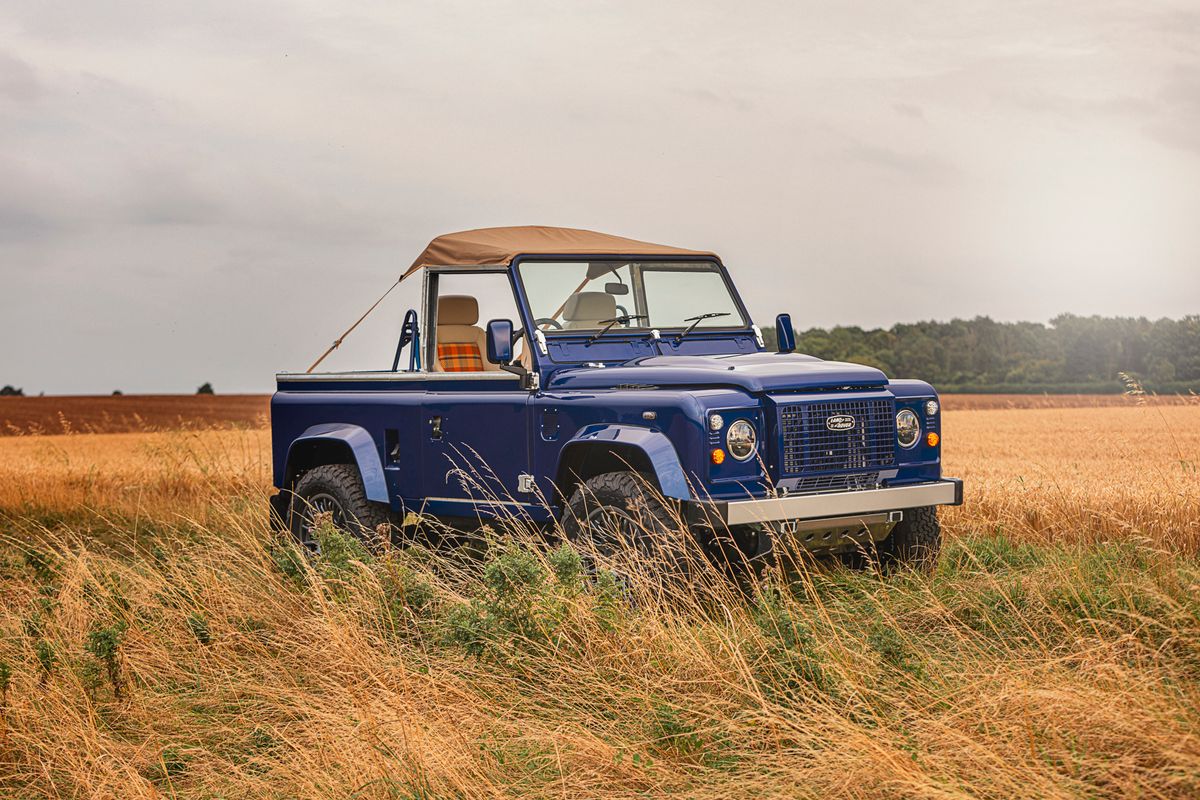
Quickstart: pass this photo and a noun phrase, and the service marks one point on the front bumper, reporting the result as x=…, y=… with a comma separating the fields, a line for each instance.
x=946, y=492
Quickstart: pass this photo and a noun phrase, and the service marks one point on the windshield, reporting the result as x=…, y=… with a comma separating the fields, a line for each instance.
x=580, y=295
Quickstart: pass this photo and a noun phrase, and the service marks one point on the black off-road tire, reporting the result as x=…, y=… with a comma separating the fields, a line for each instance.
x=915, y=541
x=336, y=489
x=618, y=522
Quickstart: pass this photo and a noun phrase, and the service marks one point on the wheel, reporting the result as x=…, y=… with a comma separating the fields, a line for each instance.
x=553, y=323
x=914, y=542
x=335, y=489
x=618, y=523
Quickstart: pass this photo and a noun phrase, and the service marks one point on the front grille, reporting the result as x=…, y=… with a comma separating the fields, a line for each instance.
x=807, y=444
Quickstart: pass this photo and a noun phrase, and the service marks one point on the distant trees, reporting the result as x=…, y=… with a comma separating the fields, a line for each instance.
x=1072, y=353
x=205, y=389
x=11, y=391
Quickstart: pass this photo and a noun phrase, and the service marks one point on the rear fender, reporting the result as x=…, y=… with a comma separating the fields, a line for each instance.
x=652, y=448
x=353, y=442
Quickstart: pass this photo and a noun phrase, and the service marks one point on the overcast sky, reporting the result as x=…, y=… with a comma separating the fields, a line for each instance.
x=211, y=191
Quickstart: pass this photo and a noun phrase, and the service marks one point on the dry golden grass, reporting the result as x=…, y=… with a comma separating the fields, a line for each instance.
x=1058, y=658
x=165, y=477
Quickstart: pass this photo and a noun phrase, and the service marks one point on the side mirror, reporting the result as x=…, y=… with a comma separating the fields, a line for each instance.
x=785, y=335
x=500, y=341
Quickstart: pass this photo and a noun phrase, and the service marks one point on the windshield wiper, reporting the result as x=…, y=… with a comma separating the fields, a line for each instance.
x=624, y=319
x=696, y=321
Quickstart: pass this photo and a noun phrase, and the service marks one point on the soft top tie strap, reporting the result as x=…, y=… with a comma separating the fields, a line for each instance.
x=338, y=341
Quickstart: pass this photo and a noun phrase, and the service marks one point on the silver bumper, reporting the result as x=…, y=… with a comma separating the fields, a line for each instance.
x=840, y=504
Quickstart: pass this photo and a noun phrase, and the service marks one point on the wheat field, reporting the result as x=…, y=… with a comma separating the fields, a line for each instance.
x=158, y=642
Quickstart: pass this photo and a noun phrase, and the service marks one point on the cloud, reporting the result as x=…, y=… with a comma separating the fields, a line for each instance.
x=711, y=97
x=18, y=80
x=923, y=167
x=222, y=184
x=909, y=110
x=171, y=194
x=1177, y=123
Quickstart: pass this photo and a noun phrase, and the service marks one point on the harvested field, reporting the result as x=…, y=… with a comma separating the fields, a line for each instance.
x=130, y=413
x=156, y=641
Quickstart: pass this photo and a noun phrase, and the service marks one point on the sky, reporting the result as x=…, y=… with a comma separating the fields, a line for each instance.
x=213, y=191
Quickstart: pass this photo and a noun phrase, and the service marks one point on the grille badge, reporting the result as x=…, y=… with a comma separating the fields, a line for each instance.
x=840, y=422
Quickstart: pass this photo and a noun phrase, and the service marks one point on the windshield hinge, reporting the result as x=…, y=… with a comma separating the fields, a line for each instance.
x=656, y=338
x=540, y=338
x=758, y=337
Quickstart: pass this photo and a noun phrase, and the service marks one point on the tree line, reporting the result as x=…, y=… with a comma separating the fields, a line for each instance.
x=1070, y=354
x=8, y=390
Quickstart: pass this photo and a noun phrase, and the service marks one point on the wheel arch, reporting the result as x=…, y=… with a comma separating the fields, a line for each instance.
x=597, y=449
x=337, y=443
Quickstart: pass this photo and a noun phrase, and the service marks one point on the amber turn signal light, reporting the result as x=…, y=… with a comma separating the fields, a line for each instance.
x=932, y=439
x=718, y=456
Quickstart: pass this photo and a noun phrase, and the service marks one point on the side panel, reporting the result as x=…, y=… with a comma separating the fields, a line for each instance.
x=390, y=408
x=387, y=418
x=474, y=446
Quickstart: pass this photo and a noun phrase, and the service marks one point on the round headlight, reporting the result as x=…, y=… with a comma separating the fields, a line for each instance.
x=908, y=428
x=741, y=440
x=716, y=422
x=931, y=408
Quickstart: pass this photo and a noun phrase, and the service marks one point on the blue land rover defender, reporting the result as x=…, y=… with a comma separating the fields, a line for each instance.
x=620, y=390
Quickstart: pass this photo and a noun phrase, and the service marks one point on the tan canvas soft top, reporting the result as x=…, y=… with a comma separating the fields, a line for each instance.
x=497, y=247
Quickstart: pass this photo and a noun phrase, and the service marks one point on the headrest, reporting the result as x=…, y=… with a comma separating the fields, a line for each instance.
x=590, y=306
x=457, y=309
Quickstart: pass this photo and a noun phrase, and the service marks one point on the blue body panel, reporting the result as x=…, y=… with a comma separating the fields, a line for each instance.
x=480, y=445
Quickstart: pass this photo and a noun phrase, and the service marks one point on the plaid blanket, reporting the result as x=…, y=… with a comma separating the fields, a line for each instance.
x=459, y=357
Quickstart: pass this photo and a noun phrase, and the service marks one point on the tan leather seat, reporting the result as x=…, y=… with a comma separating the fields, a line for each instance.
x=582, y=310
x=461, y=343
x=588, y=309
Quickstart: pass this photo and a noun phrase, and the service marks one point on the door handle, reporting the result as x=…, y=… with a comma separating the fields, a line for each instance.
x=435, y=428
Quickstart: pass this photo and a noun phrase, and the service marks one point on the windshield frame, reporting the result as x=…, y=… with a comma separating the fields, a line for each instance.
x=745, y=324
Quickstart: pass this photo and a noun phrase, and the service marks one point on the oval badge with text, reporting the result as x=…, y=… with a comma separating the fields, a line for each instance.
x=840, y=422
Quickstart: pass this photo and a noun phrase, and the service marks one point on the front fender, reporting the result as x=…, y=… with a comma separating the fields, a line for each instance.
x=654, y=445
x=362, y=447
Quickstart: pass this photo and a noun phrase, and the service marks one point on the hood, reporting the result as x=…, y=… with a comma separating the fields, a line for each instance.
x=754, y=372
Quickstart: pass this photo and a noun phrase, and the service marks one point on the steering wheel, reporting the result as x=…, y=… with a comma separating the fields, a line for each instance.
x=624, y=312
x=540, y=321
